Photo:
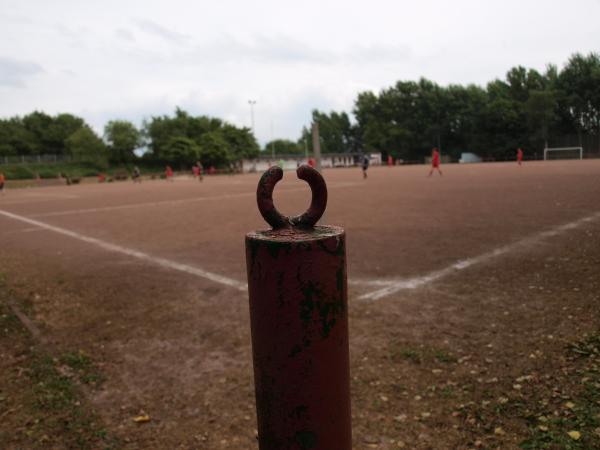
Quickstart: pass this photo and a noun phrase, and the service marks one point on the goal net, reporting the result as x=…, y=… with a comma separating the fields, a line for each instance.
x=563, y=153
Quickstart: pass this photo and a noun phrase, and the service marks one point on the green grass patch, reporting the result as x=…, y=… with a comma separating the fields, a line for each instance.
x=573, y=424
x=9, y=323
x=419, y=354
x=84, y=368
x=55, y=402
x=44, y=392
x=444, y=357
x=411, y=354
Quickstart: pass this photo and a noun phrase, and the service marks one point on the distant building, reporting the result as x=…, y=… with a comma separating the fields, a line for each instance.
x=291, y=162
x=467, y=157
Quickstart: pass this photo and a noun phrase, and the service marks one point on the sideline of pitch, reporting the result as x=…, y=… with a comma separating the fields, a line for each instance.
x=397, y=285
x=389, y=286
x=162, y=262
x=175, y=202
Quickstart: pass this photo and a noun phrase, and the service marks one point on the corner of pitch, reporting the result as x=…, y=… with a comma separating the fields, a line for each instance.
x=299, y=321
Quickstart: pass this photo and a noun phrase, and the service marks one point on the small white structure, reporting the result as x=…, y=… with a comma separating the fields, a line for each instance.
x=563, y=153
x=291, y=162
x=467, y=157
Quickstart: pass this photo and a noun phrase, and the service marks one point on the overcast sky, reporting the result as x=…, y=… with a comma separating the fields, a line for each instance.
x=127, y=59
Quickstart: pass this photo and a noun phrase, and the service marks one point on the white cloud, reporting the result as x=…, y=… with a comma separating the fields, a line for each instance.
x=153, y=28
x=126, y=35
x=14, y=72
x=133, y=59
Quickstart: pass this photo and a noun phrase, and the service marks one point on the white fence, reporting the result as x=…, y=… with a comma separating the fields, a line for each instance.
x=36, y=159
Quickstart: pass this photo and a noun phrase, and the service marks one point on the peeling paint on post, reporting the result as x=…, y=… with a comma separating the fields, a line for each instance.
x=299, y=321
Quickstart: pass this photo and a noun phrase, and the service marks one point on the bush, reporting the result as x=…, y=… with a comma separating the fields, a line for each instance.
x=17, y=172
x=45, y=173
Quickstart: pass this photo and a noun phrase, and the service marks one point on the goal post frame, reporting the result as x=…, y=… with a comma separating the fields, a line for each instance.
x=557, y=149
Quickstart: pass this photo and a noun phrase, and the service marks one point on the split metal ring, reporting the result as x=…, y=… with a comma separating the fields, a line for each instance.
x=264, y=198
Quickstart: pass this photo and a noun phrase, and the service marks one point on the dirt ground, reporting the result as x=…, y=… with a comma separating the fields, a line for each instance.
x=467, y=294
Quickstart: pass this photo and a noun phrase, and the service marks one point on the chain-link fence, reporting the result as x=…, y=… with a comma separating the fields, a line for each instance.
x=37, y=159
x=589, y=142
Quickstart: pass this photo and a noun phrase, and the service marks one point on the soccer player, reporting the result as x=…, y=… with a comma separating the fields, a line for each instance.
x=365, y=165
x=390, y=161
x=168, y=173
x=200, y=170
x=519, y=156
x=2, y=181
x=137, y=176
x=435, y=161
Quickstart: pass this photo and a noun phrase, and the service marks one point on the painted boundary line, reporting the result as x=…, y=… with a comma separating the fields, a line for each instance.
x=389, y=286
x=162, y=262
x=141, y=205
x=22, y=230
x=171, y=202
x=417, y=282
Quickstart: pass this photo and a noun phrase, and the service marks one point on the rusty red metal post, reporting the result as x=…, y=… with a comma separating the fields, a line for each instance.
x=299, y=322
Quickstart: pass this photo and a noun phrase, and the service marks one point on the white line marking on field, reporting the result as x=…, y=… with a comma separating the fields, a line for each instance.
x=30, y=229
x=141, y=205
x=24, y=200
x=51, y=195
x=162, y=262
x=170, y=202
x=373, y=282
x=416, y=282
x=22, y=230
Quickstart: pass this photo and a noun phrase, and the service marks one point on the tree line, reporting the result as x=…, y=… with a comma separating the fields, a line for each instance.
x=526, y=109
x=180, y=139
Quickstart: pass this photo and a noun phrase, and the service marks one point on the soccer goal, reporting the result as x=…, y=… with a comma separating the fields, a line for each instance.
x=563, y=153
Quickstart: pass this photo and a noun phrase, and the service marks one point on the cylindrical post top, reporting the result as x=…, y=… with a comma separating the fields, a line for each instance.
x=298, y=301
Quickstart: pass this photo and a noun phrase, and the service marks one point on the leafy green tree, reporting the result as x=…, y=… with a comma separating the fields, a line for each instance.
x=123, y=138
x=540, y=108
x=242, y=143
x=38, y=124
x=85, y=145
x=580, y=82
x=284, y=147
x=182, y=151
x=62, y=126
x=335, y=130
x=37, y=133
x=214, y=150
x=212, y=135
x=15, y=139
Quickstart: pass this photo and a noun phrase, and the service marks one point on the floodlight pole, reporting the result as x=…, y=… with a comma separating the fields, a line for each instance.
x=306, y=148
x=316, y=144
x=272, y=142
x=252, y=103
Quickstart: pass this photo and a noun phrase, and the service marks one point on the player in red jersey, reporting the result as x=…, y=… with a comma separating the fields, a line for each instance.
x=168, y=173
x=519, y=156
x=435, y=161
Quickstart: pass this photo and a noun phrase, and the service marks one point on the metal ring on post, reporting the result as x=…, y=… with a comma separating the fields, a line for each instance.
x=264, y=198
